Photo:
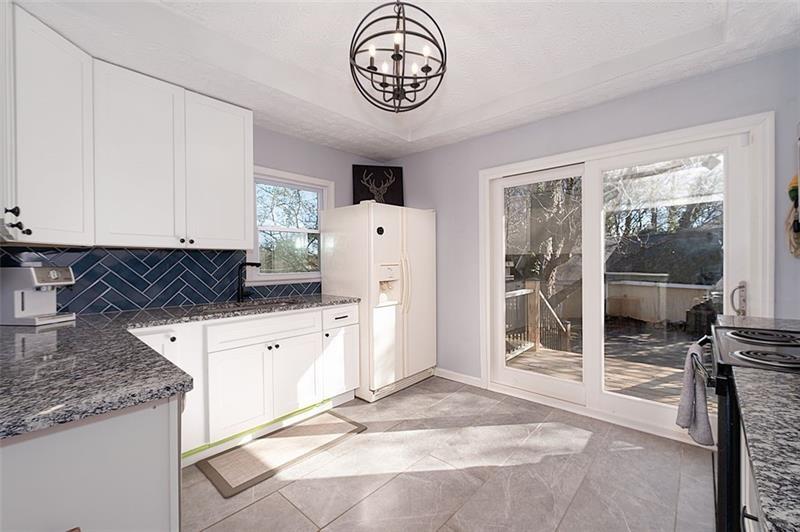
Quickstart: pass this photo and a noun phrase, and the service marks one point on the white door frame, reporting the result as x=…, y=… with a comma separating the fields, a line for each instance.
x=760, y=132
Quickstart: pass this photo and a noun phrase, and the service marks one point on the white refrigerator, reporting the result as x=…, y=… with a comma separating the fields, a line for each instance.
x=386, y=255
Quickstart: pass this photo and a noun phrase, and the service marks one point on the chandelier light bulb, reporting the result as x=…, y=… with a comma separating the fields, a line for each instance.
x=414, y=69
x=385, y=67
x=426, y=51
x=398, y=39
x=372, y=50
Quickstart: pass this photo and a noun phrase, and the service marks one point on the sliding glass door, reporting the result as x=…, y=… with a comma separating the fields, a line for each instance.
x=603, y=273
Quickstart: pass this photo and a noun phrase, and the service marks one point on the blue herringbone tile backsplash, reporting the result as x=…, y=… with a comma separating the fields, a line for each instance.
x=109, y=280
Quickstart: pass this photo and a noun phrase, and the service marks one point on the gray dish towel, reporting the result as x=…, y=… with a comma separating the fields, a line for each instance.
x=693, y=408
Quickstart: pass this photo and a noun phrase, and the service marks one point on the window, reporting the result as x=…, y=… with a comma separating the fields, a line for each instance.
x=287, y=208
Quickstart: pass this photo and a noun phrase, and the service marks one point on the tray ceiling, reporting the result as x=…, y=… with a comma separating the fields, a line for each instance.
x=509, y=62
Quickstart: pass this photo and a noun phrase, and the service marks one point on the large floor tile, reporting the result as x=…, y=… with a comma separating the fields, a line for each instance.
x=523, y=497
x=603, y=507
x=202, y=505
x=487, y=444
x=273, y=513
x=422, y=498
x=639, y=465
x=466, y=401
x=696, y=489
x=323, y=499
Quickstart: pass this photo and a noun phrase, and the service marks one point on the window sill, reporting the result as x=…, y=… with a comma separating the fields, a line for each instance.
x=288, y=279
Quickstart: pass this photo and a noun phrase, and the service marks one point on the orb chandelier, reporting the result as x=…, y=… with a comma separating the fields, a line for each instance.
x=398, y=57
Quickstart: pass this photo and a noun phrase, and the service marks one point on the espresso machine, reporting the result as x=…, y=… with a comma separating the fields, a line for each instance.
x=28, y=294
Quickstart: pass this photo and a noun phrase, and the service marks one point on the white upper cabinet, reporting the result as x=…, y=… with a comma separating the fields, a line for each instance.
x=219, y=174
x=51, y=182
x=140, y=169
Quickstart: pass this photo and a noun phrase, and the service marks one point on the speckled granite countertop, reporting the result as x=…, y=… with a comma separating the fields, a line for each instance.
x=769, y=402
x=50, y=376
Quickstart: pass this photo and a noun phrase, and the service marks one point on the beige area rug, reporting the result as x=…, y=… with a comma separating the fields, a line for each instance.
x=237, y=469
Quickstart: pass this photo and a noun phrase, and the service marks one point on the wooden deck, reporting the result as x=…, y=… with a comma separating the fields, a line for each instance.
x=648, y=366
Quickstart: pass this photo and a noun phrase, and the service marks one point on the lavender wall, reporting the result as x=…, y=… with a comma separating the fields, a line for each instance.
x=291, y=154
x=447, y=178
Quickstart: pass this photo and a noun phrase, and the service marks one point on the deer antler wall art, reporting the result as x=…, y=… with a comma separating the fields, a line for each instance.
x=383, y=184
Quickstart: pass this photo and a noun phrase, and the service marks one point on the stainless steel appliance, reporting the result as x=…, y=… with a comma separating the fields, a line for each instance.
x=28, y=295
x=766, y=348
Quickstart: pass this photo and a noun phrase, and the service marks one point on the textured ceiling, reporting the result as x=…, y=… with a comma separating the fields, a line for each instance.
x=509, y=62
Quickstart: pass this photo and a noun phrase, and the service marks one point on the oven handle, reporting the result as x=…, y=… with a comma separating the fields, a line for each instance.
x=698, y=365
x=746, y=515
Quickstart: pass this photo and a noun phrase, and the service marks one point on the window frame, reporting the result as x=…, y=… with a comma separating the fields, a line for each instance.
x=326, y=190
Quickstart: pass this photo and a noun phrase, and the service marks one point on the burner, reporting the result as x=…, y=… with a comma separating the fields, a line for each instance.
x=766, y=337
x=769, y=358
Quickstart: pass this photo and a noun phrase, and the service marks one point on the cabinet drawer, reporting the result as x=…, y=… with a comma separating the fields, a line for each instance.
x=339, y=316
x=262, y=329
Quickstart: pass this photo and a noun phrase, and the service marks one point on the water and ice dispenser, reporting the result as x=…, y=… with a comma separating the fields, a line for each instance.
x=390, y=284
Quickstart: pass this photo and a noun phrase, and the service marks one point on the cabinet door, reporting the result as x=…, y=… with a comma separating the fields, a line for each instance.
x=139, y=159
x=239, y=382
x=339, y=361
x=296, y=382
x=419, y=306
x=219, y=174
x=53, y=182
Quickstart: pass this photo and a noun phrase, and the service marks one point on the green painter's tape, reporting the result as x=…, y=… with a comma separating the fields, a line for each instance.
x=202, y=448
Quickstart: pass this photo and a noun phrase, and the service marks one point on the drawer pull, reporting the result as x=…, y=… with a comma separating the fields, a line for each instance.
x=341, y=317
x=269, y=347
x=172, y=338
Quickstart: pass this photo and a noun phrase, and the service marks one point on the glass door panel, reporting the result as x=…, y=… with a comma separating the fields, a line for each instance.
x=663, y=280
x=539, y=282
x=543, y=278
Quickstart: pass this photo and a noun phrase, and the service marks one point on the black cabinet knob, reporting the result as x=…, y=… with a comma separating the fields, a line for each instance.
x=172, y=338
x=269, y=347
x=18, y=225
x=277, y=346
x=27, y=232
x=13, y=210
x=327, y=335
x=191, y=240
x=183, y=240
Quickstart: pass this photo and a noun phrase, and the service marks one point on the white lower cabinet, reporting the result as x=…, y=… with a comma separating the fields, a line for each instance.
x=339, y=360
x=239, y=389
x=297, y=382
x=252, y=370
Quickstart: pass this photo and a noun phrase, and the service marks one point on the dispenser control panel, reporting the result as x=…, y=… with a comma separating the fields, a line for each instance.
x=388, y=272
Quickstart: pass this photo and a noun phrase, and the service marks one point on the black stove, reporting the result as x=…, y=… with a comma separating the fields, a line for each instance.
x=757, y=347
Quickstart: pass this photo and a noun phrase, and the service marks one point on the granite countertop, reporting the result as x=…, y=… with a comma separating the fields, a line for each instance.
x=769, y=402
x=66, y=372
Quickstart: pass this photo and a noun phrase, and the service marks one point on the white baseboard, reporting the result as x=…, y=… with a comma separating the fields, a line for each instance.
x=459, y=377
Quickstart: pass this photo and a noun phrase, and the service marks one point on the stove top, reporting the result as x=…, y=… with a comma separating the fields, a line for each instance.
x=766, y=337
x=777, y=350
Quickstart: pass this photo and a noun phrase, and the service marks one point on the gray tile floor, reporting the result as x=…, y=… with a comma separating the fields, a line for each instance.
x=450, y=457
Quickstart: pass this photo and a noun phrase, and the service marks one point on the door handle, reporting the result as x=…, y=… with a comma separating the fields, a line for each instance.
x=741, y=308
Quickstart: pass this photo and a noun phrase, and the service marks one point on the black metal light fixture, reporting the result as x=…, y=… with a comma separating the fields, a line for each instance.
x=398, y=57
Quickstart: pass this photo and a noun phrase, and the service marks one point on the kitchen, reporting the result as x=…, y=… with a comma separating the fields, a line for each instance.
x=201, y=314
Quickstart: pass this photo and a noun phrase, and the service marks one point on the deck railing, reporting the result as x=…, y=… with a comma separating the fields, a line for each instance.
x=532, y=323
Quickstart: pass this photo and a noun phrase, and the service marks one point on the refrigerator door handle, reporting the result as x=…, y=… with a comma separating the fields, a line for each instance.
x=406, y=285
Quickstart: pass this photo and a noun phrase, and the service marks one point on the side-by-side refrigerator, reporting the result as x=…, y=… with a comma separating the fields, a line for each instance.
x=386, y=255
